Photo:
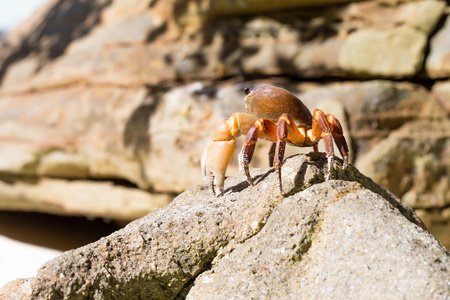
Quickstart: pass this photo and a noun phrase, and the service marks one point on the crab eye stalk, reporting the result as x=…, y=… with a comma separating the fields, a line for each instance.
x=247, y=91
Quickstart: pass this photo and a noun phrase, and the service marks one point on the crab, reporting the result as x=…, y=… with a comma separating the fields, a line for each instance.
x=275, y=114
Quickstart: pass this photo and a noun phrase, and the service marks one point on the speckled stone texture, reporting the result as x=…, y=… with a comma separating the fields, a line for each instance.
x=345, y=238
x=335, y=240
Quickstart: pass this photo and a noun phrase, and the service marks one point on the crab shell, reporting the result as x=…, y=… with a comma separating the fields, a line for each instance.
x=271, y=102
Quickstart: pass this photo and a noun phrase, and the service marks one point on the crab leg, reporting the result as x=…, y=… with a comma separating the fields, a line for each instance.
x=321, y=128
x=282, y=134
x=339, y=139
x=329, y=128
x=286, y=130
x=271, y=153
x=262, y=128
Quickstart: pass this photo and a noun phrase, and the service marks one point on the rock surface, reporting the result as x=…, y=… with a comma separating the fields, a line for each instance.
x=338, y=238
x=75, y=198
x=349, y=244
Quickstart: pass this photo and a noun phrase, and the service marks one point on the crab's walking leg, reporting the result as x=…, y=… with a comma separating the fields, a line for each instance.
x=287, y=130
x=246, y=154
x=329, y=128
x=339, y=139
x=282, y=133
x=272, y=153
x=321, y=128
x=220, y=148
x=262, y=128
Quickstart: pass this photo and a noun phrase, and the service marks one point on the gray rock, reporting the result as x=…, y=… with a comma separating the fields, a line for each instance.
x=351, y=238
x=335, y=240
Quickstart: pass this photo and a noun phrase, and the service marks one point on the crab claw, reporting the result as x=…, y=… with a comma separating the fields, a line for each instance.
x=220, y=148
x=214, y=163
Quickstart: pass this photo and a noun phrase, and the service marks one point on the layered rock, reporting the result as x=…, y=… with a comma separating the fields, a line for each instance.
x=192, y=41
x=103, y=95
x=344, y=239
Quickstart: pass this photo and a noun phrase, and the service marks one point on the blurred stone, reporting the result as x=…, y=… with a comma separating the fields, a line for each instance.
x=16, y=290
x=134, y=137
x=43, y=38
x=85, y=125
x=441, y=91
x=390, y=53
x=376, y=108
x=413, y=163
x=422, y=15
x=438, y=61
x=251, y=243
x=79, y=198
x=249, y=6
x=213, y=43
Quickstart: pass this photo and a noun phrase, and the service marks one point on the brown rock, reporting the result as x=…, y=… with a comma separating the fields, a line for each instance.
x=420, y=15
x=16, y=290
x=413, y=166
x=438, y=61
x=248, y=6
x=79, y=198
x=86, y=125
x=135, y=140
x=376, y=108
x=391, y=53
x=167, y=42
x=441, y=91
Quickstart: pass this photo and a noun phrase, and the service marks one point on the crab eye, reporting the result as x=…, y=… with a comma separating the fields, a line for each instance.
x=247, y=91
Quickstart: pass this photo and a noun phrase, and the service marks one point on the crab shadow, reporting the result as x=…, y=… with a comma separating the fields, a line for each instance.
x=301, y=180
x=244, y=184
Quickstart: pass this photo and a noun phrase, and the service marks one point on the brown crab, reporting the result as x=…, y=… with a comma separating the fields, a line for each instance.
x=275, y=114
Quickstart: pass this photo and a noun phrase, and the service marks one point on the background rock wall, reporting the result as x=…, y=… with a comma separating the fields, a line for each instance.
x=105, y=106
